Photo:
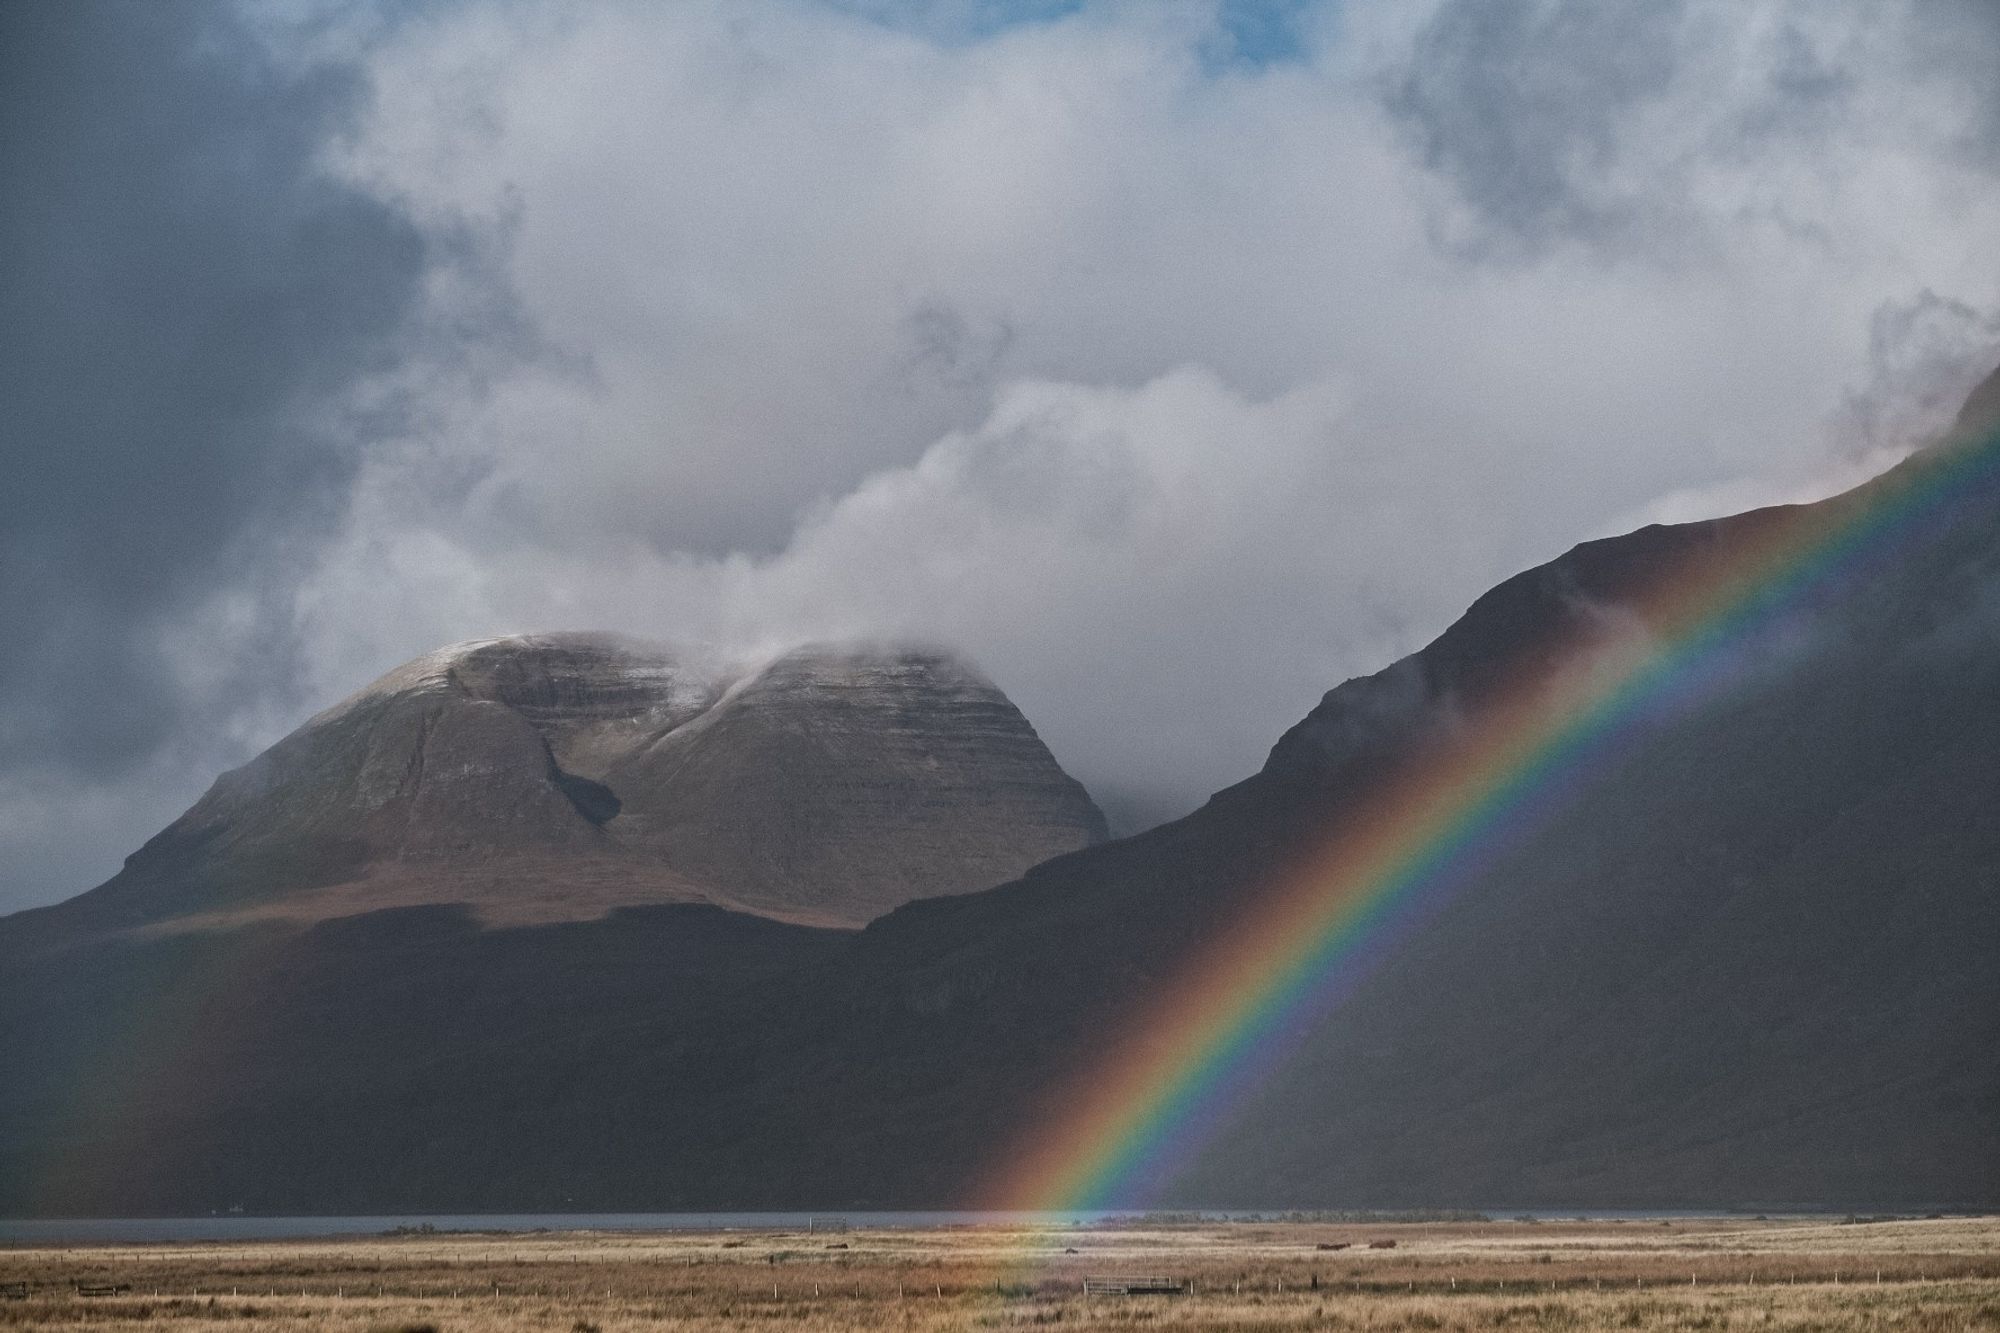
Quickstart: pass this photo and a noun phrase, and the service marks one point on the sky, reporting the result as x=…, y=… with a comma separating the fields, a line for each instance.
x=1174, y=361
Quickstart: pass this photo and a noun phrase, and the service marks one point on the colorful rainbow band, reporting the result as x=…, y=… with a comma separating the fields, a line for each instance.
x=1232, y=1016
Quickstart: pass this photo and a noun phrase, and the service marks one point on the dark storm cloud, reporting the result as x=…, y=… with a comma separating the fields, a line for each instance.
x=183, y=296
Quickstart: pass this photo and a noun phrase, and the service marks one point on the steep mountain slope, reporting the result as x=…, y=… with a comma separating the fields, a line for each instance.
x=1746, y=958
x=556, y=777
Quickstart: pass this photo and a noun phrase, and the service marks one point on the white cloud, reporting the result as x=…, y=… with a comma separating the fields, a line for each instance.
x=1144, y=380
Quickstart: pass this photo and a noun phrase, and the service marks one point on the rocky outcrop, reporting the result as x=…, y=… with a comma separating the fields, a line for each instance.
x=546, y=778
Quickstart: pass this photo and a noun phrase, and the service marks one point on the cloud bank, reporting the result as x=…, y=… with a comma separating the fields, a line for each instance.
x=1175, y=361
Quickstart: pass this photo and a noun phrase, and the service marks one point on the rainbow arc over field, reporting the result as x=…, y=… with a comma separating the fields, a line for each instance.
x=1241, y=1005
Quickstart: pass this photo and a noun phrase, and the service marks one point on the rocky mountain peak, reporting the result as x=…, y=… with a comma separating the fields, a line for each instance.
x=547, y=776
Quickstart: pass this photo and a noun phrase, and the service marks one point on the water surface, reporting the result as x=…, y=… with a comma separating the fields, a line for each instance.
x=229, y=1226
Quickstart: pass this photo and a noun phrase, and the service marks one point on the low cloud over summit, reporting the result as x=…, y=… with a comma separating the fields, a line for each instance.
x=1176, y=361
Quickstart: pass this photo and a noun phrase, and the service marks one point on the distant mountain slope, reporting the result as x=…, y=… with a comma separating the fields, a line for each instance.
x=1750, y=960
x=556, y=777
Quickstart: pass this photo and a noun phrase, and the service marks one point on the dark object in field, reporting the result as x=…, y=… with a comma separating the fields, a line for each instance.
x=1334, y=1244
x=102, y=1288
x=1381, y=1244
x=13, y=1291
x=1135, y=1286
x=838, y=1245
x=405, y=1328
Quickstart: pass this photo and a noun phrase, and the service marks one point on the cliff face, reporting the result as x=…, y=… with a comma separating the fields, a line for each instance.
x=555, y=777
x=868, y=779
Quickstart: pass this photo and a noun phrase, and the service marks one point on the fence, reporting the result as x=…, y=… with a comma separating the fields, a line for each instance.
x=1136, y=1286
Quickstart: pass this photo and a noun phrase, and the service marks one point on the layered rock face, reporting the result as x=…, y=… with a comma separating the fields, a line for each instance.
x=868, y=779
x=555, y=777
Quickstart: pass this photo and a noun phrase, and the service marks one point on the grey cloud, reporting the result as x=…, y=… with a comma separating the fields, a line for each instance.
x=1518, y=102
x=1566, y=120
x=946, y=346
x=1957, y=42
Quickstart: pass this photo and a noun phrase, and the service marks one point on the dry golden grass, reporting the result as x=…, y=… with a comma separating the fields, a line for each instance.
x=1719, y=1275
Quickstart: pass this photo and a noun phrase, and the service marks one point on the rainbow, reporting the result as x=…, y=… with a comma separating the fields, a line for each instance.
x=1232, y=1015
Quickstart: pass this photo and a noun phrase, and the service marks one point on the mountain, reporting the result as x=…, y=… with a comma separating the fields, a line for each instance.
x=832, y=784
x=1745, y=959
x=557, y=777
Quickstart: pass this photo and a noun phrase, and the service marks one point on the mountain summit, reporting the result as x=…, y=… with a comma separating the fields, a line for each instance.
x=555, y=777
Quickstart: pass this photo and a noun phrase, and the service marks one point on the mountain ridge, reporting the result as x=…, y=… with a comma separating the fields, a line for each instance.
x=540, y=776
x=1747, y=963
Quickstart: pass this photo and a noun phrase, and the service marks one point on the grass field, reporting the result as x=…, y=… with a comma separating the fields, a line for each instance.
x=1941, y=1274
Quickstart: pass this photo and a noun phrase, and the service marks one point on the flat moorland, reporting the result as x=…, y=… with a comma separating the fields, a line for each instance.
x=1714, y=1274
